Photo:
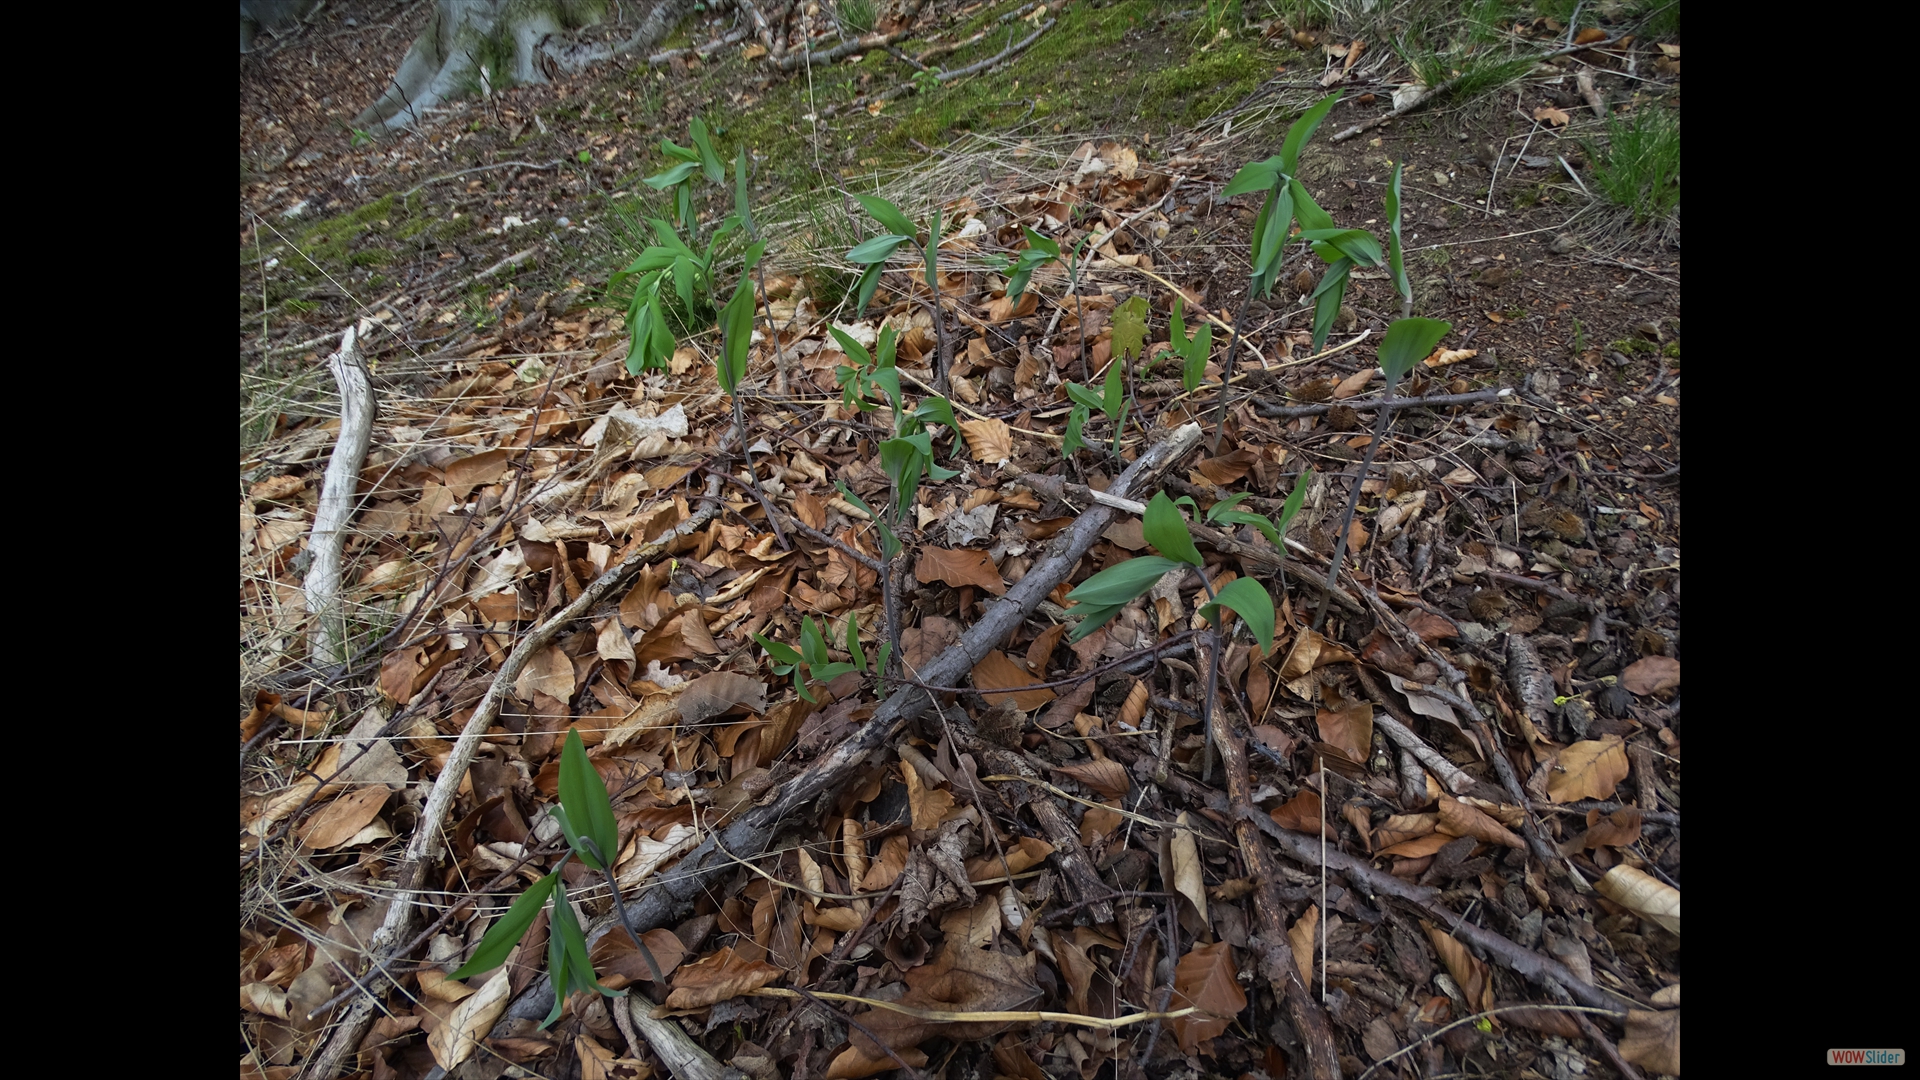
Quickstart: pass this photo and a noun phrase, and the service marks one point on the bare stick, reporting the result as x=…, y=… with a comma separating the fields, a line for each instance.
x=337, y=499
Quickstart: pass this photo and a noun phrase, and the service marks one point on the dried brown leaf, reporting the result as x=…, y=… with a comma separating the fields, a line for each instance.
x=715, y=978
x=1301, y=813
x=1206, y=979
x=1107, y=777
x=1468, y=971
x=1300, y=938
x=716, y=692
x=1645, y=895
x=959, y=567
x=459, y=1034
x=1651, y=674
x=342, y=819
x=1458, y=818
x=1653, y=1040
x=995, y=671
x=1588, y=770
x=990, y=441
x=1349, y=730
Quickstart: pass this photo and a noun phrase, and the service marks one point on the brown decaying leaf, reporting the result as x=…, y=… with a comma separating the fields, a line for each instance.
x=1040, y=652
x=1588, y=770
x=459, y=1034
x=1301, y=940
x=342, y=819
x=1301, y=813
x=1549, y=115
x=1653, y=1040
x=716, y=692
x=1419, y=847
x=1311, y=650
x=959, y=567
x=924, y=642
x=1206, y=979
x=1135, y=707
x=928, y=805
x=1651, y=674
x=549, y=671
x=1457, y=818
x=716, y=978
x=887, y=865
x=990, y=441
x=995, y=670
x=1183, y=869
x=619, y=964
x=1353, y=384
x=1618, y=829
x=1350, y=730
x=1468, y=971
x=1107, y=777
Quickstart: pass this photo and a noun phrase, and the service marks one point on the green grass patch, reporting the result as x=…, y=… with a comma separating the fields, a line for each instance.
x=1640, y=167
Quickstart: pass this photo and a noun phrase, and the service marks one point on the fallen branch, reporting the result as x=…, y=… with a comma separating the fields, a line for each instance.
x=863, y=43
x=1541, y=970
x=1432, y=92
x=947, y=76
x=339, y=494
x=1287, y=412
x=424, y=850
x=1277, y=963
x=677, y=888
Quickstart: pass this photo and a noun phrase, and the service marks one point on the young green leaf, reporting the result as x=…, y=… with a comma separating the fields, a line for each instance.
x=1356, y=244
x=785, y=654
x=876, y=250
x=1306, y=210
x=1130, y=328
x=1039, y=245
x=1085, y=397
x=1326, y=300
x=869, y=282
x=851, y=347
x=813, y=645
x=1295, y=499
x=1250, y=600
x=740, y=207
x=1396, y=263
x=1302, y=130
x=508, y=929
x=1408, y=342
x=886, y=213
x=1076, y=420
x=665, y=180
x=1195, y=367
x=890, y=547
x=583, y=795
x=933, y=252
x=903, y=460
x=1115, y=392
x=841, y=485
x=709, y=161
x=736, y=323
x=853, y=644
x=1166, y=530
x=1121, y=584
x=1093, y=618
x=937, y=410
x=1253, y=176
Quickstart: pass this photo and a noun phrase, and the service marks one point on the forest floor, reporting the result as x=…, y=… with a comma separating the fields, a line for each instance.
x=1487, y=720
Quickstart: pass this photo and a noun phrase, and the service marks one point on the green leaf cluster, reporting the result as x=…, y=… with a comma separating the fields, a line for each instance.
x=1193, y=352
x=585, y=816
x=689, y=273
x=874, y=253
x=1111, y=403
x=813, y=662
x=1103, y=595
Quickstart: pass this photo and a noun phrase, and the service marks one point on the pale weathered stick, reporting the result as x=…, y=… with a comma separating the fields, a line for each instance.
x=338, y=493
x=424, y=850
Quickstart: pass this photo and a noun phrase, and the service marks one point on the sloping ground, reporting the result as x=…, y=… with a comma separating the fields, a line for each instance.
x=1494, y=694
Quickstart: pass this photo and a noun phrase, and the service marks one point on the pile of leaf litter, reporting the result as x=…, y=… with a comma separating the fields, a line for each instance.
x=1004, y=853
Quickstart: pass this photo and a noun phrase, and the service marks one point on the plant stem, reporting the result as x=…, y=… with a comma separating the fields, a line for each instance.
x=1226, y=371
x=1353, y=501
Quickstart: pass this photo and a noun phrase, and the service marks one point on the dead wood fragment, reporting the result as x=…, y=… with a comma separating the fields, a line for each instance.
x=1277, y=963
